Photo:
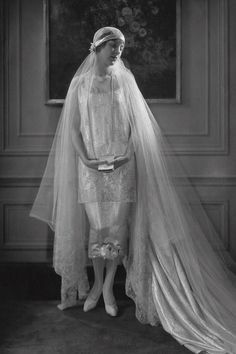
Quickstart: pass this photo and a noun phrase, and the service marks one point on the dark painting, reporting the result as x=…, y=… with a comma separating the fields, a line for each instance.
x=151, y=50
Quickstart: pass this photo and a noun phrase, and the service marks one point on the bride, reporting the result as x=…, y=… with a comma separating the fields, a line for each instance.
x=114, y=191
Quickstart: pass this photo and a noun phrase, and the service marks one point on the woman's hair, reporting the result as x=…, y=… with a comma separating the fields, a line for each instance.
x=99, y=48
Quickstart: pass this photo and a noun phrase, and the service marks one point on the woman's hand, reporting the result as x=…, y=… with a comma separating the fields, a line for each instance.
x=93, y=163
x=117, y=161
x=122, y=159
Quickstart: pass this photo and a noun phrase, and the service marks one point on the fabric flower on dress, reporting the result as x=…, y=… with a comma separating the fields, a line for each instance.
x=108, y=250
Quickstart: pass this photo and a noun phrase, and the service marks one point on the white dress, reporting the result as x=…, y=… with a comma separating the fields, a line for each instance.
x=106, y=196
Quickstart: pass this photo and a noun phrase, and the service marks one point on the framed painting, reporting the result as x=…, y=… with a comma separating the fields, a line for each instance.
x=152, y=49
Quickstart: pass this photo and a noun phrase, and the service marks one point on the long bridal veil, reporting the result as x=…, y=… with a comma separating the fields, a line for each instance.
x=178, y=272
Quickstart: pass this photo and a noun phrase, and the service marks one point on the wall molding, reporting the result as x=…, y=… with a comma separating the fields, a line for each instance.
x=219, y=145
x=13, y=206
x=205, y=132
x=223, y=207
x=12, y=182
x=6, y=148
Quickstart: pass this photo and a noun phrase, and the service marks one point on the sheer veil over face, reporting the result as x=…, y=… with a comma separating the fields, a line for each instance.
x=177, y=266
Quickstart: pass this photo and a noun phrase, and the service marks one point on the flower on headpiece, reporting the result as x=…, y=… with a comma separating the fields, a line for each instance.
x=92, y=47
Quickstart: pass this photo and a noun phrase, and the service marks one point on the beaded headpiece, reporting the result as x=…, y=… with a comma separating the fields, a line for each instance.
x=105, y=34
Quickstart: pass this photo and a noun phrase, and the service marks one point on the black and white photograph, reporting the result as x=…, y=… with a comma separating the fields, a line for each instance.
x=118, y=177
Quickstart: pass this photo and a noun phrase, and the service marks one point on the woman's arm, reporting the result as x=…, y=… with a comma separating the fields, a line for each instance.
x=122, y=159
x=78, y=143
x=77, y=140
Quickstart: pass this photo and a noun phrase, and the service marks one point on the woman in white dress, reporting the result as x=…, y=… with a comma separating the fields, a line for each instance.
x=113, y=191
x=106, y=168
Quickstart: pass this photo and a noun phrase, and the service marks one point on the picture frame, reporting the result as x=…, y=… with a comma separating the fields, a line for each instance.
x=152, y=49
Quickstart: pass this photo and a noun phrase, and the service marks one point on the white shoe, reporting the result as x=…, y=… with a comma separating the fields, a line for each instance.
x=90, y=304
x=111, y=310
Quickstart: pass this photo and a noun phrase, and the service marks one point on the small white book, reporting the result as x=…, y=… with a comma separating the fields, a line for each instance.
x=105, y=167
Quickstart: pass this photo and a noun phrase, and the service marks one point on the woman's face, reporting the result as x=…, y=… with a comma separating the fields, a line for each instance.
x=110, y=52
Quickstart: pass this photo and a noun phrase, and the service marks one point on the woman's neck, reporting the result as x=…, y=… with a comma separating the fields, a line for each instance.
x=102, y=70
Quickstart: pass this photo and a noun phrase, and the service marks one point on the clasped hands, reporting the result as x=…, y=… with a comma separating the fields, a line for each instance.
x=116, y=161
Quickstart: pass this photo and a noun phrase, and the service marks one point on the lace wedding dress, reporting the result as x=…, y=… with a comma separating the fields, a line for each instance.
x=105, y=195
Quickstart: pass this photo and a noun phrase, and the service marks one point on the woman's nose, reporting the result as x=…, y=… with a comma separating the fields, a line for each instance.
x=117, y=51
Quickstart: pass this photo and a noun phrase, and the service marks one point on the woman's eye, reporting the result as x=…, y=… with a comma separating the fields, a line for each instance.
x=114, y=46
